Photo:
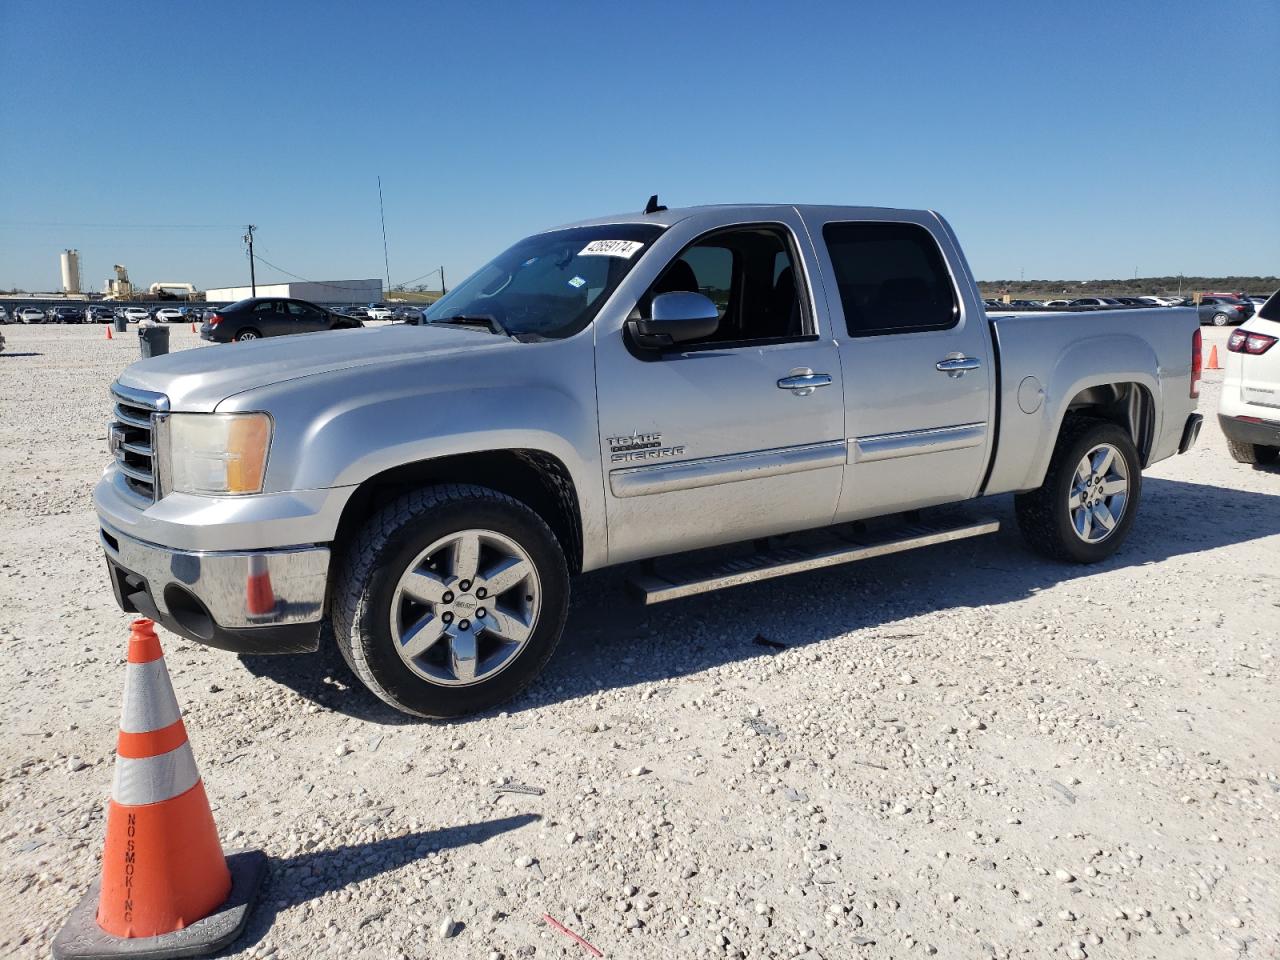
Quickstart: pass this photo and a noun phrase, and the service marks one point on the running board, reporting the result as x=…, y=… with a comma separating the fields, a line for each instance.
x=826, y=548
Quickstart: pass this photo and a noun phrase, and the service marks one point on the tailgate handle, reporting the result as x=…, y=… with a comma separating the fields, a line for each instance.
x=957, y=366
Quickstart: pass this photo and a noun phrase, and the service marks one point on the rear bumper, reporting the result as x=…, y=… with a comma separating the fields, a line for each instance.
x=1265, y=433
x=1190, y=432
x=266, y=601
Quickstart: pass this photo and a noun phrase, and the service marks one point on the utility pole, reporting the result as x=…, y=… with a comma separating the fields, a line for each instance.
x=386, y=262
x=443, y=288
x=253, y=278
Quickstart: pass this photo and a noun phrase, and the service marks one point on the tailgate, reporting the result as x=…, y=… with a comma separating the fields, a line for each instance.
x=1254, y=354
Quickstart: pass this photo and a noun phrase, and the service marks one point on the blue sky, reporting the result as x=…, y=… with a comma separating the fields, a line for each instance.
x=1077, y=140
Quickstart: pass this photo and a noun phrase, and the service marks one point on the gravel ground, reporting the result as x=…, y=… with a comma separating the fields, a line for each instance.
x=966, y=752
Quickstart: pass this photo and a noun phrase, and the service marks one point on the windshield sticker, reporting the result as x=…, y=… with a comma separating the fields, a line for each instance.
x=611, y=248
x=577, y=282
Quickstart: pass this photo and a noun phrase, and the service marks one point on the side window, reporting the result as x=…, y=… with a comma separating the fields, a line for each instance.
x=301, y=311
x=749, y=273
x=266, y=306
x=891, y=277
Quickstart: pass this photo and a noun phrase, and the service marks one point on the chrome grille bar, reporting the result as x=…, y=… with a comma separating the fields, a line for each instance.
x=131, y=436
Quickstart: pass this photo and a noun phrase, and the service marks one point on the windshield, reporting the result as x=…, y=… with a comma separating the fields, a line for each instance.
x=550, y=285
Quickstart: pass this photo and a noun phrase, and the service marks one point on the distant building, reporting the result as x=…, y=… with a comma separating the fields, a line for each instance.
x=317, y=291
x=71, y=271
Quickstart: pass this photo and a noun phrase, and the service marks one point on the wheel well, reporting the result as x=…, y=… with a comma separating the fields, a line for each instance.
x=536, y=479
x=1128, y=405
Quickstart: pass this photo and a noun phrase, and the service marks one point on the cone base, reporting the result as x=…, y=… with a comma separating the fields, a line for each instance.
x=82, y=939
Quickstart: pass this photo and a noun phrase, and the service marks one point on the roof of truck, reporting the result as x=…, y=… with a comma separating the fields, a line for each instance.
x=665, y=218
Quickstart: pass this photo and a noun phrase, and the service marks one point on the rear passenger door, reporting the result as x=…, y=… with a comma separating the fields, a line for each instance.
x=914, y=350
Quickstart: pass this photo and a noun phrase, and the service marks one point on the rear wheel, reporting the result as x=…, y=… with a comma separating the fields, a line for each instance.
x=1220, y=319
x=248, y=334
x=451, y=600
x=1252, y=452
x=1085, y=507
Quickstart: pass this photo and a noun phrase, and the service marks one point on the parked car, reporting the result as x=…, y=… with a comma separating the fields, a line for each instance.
x=1247, y=411
x=30, y=315
x=1221, y=311
x=66, y=315
x=1026, y=304
x=1151, y=301
x=580, y=402
x=1129, y=301
x=1056, y=304
x=259, y=317
x=378, y=311
x=4, y=314
x=96, y=313
x=136, y=314
x=1097, y=303
x=168, y=314
x=407, y=315
x=1257, y=299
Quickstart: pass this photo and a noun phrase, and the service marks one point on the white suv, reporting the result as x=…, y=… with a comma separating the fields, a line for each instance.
x=1249, y=412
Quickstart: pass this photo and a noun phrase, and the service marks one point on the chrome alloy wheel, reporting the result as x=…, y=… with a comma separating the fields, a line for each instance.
x=465, y=607
x=1099, y=493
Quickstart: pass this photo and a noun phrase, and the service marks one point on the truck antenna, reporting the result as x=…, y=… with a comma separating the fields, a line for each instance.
x=653, y=206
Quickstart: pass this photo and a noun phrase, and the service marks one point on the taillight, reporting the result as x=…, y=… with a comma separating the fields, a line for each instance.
x=1197, y=363
x=214, y=320
x=1247, y=341
x=1239, y=309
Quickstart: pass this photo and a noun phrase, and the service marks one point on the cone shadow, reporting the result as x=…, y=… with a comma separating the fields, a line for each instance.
x=296, y=880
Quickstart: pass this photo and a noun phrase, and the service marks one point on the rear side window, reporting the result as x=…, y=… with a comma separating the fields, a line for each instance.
x=892, y=278
x=1271, y=309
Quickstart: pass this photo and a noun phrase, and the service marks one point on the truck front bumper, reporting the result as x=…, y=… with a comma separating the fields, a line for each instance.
x=261, y=601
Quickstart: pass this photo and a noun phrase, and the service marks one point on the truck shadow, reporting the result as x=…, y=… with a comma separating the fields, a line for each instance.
x=611, y=641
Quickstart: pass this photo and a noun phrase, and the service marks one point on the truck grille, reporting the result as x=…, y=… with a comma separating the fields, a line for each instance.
x=132, y=430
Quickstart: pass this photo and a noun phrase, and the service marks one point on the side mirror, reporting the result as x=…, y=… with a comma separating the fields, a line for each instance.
x=675, y=318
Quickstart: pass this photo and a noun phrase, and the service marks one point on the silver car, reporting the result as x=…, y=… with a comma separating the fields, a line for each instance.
x=1221, y=311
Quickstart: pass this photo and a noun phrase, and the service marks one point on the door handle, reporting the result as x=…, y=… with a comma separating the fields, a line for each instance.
x=957, y=366
x=802, y=381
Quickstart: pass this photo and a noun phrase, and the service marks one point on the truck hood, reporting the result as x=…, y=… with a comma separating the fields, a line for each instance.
x=198, y=380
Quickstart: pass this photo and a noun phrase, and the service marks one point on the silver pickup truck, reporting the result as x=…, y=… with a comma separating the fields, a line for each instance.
x=724, y=393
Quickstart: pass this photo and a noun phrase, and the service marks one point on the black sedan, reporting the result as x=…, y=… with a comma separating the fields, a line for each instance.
x=260, y=317
x=67, y=315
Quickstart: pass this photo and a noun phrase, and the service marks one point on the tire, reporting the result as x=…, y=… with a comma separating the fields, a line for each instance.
x=369, y=602
x=1221, y=319
x=1048, y=520
x=247, y=334
x=1255, y=453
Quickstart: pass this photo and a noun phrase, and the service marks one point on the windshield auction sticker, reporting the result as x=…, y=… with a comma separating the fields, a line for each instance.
x=611, y=248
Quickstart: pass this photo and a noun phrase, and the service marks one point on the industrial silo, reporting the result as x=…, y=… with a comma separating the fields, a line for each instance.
x=70, y=271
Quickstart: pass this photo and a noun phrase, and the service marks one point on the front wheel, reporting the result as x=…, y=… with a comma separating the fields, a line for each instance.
x=451, y=600
x=1086, y=505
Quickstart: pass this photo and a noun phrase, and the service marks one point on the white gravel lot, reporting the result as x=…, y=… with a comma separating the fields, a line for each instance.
x=966, y=752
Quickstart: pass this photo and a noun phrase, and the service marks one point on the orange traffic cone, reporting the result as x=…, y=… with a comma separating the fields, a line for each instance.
x=259, y=598
x=1213, y=359
x=109, y=337
x=166, y=890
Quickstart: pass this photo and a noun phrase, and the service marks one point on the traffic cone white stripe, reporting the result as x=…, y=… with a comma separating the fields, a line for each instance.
x=149, y=701
x=153, y=779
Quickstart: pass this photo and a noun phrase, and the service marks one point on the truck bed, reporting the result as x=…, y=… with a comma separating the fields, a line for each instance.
x=1046, y=359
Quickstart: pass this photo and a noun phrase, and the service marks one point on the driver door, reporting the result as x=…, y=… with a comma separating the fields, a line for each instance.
x=737, y=436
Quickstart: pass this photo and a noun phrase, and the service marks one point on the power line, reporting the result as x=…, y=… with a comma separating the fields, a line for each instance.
x=122, y=226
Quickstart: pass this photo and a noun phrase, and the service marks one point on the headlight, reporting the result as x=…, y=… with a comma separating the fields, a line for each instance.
x=213, y=453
